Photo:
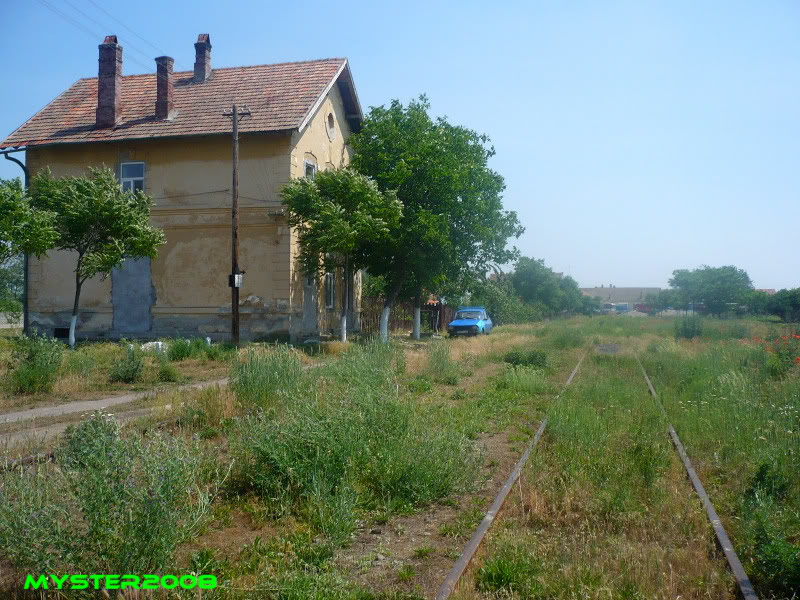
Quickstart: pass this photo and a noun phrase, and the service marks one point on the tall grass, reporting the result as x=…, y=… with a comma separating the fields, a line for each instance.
x=263, y=377
x=37, y=360
x=347, y=440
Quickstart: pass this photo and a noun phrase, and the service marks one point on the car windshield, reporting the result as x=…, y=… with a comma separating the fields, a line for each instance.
x=468, y=314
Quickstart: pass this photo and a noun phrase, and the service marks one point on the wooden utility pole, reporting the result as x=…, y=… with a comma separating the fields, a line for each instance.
x=235, y=279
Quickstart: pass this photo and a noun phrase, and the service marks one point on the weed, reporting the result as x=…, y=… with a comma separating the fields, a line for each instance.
x=130, y=368
x=168, y=373
x=688, y=328
x=510, y=570
x=37, y=359
x=406, y=573
x=264, y=377
x=420, y=385
x=526, y=358
x=441, y=366
x=423, y=552
x=463, y=525
x=567, y=338
x=114, y=504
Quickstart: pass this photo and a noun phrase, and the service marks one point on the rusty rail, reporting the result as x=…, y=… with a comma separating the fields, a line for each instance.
x=474, y=543
x=742, y=580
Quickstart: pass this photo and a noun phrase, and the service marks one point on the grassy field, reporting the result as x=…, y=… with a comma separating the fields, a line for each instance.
x=364, y=476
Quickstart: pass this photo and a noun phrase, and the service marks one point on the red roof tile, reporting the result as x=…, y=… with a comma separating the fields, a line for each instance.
x=279, y=97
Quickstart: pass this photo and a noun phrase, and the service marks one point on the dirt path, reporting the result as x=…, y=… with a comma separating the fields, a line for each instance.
x=92, y=405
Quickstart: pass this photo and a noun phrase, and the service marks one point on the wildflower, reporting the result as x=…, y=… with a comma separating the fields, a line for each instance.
x=797, y=360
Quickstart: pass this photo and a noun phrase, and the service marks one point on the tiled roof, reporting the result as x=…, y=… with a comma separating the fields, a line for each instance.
x=279, y=97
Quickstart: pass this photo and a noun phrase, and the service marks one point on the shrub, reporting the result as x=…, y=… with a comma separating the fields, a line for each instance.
x=130, y=368
x=688, y=328
x=114, y=504
x=526, y=358
x=37, y=359
x=11, y=309
x=179, y=349
x=168, y=373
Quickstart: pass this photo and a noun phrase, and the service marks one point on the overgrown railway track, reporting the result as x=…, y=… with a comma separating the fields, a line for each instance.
x=744, y=586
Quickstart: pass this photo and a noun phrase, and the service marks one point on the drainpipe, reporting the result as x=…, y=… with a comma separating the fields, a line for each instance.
x=25, y=324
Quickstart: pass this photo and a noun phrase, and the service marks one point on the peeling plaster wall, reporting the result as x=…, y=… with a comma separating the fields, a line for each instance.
x=189, y=180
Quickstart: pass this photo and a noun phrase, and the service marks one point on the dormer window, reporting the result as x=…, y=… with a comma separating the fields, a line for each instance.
x=131, y=176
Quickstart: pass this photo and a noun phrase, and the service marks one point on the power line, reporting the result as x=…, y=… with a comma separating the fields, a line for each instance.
x=156, y=48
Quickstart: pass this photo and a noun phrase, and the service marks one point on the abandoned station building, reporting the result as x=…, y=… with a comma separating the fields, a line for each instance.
x=167, y=133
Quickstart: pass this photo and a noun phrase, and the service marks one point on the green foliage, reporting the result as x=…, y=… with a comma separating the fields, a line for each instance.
x=341, y=217
x=129, y=369
x=453, y=223
x=567, y=338
x=114, y=504
x=11, y=309
x=719, y=289
x=502, y=303
x=98, y=221
x=688, y=328
x=23, y=228
x=37, y=359
x=526, y=357
x=786, y=305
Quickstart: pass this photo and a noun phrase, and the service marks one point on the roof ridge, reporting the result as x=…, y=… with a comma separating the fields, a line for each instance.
x=295, y=62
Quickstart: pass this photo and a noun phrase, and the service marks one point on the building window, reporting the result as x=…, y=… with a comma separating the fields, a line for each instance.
x=311, y=169
x=330, y=290
x=131, y=175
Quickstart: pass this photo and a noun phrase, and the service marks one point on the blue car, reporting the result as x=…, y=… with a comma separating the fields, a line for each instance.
x=470, y=320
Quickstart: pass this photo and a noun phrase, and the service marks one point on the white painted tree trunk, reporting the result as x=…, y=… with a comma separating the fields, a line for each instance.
x=345, y=303
x=417, y=314
x=72, y=323
x=384, y=329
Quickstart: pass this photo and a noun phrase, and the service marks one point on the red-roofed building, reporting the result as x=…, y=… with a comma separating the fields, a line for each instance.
x=166, y=133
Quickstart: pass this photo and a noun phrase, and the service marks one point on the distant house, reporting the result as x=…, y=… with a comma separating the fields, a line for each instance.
x=620, y=295
x=768, y=291
x=166, y=133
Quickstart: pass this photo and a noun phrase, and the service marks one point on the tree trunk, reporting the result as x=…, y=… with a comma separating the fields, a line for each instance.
x=74, y=320
x=415, y=334
x=391, y=298
x=345, y=302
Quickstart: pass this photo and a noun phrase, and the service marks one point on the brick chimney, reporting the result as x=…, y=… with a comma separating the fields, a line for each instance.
x=202, y=60
x=109, y=83
x=164, y=86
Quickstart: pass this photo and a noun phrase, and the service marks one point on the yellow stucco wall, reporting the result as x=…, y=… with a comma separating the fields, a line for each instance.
x=190, y=181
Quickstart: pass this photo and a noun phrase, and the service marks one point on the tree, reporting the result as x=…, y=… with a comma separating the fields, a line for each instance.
x=718, y=288
x=453, y=224
x=97, y=220
x=786, y=304
x=341, y=218
x=23, y=229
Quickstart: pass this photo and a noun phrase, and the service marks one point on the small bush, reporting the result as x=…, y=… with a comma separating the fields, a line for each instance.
x=129, y=369
x=688, y=328
x=179, y=349
x=441, y=367
x=168, y=373
x=37, y=359
x=526, y=358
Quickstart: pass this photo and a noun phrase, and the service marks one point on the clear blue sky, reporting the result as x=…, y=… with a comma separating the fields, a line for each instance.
x=635, y=137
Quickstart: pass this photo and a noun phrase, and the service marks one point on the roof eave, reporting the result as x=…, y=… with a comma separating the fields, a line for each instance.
x=353, y=112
